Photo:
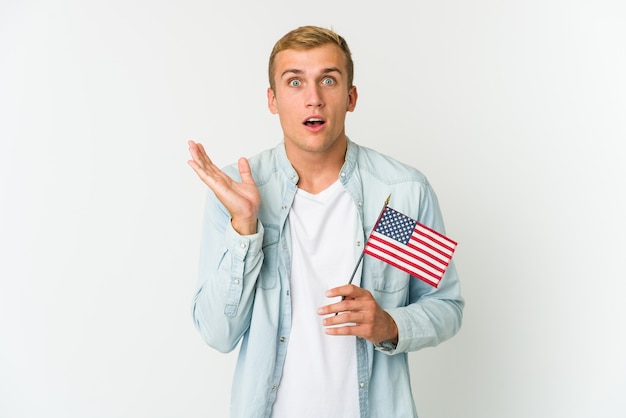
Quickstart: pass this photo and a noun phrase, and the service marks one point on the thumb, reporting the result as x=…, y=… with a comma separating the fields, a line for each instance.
x=244, y=171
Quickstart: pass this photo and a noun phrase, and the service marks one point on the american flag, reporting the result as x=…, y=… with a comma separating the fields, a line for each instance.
x=410, y=246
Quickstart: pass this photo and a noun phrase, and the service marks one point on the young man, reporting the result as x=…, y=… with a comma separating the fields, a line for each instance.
x=282, y=234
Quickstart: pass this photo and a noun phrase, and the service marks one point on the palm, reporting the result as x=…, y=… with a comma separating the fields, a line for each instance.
x=242, y=199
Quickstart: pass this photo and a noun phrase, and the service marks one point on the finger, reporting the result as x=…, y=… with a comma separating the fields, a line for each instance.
x=343, y=306
x=347, y=290
x=194, y=147
x=347, y=330
x=201, y=150
x=244, y=171
x=203, y=165
x=194, y=150
x=200, y=156
x=343, y=318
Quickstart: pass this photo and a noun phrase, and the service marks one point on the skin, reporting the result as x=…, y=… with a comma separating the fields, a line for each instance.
x=310, y=85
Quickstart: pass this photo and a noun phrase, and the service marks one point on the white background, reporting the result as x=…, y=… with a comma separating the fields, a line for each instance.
x=515, y=110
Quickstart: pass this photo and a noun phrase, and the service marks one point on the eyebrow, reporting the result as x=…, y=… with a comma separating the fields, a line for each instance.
x=298, y=72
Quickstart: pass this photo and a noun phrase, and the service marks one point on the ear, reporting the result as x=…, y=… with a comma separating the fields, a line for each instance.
x=353, y=95
x=271, y=101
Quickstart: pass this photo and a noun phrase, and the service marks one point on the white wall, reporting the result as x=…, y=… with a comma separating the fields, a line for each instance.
x=515, y=111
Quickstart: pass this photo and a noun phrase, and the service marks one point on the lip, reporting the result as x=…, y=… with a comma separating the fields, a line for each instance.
x=320, y=117
x=316, y=127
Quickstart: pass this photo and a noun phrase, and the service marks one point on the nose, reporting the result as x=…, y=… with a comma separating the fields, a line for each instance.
x=314, y=97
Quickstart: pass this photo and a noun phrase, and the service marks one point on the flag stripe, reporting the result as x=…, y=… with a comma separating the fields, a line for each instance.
x=416, y=261
x=408, y=251
x=445, y=245
x=436, y=235
x=402, y=266
x=430, y=247
x=410, y=246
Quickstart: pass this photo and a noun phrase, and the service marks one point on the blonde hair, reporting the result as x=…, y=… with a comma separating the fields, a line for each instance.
x=309, y=37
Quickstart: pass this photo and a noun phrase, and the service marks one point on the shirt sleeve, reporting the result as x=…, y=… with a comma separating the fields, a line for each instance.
x=431, y=315
x=229, y=267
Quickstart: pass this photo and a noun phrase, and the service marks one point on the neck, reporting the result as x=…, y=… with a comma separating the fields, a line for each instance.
x=318, y=170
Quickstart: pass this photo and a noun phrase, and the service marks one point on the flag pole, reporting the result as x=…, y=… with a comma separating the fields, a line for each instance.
x=358, y=263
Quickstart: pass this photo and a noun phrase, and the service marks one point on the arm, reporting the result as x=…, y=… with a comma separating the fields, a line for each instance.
x=431, y=316
x=231, y=255
x=418, y=316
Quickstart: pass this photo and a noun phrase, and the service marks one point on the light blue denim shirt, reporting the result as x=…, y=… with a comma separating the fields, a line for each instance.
x=243, y=285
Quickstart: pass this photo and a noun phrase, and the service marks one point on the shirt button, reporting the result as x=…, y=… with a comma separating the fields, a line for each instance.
x=343, y=174
x=274, y=388
x=361, y=384
x=236, y=281
x=358, y=243
x=283, y=339
x=242, y=245
x=360, y=203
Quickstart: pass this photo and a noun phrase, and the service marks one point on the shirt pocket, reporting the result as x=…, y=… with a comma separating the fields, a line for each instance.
x=388, y=284
x=269, y=270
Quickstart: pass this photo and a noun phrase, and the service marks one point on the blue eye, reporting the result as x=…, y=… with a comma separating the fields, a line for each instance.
x=295, y=83
x=328, y=81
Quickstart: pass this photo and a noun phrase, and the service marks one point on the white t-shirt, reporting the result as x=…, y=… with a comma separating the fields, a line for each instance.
x=319, y=377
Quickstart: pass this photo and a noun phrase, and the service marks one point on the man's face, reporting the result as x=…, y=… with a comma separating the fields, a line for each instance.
x=312, y=98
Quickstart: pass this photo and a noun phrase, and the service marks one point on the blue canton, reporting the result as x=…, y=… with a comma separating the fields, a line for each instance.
x=396, y=226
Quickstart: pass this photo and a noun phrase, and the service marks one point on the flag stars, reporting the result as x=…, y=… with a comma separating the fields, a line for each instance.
x=396, y=226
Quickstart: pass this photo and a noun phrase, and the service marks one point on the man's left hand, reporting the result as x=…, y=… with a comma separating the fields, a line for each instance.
x=360, y=313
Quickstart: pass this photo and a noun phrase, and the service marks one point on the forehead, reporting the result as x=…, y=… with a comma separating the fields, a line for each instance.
x=310, y=61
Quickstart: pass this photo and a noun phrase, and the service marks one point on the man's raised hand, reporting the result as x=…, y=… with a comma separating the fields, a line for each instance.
x=242, y=200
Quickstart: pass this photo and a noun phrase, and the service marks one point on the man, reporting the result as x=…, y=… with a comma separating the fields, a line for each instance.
x=282, y=234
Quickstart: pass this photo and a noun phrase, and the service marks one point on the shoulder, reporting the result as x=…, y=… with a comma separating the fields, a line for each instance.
x=387, y=169
x=411, y=192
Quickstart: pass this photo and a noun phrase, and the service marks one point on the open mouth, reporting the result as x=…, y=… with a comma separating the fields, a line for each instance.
x=313, y=122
